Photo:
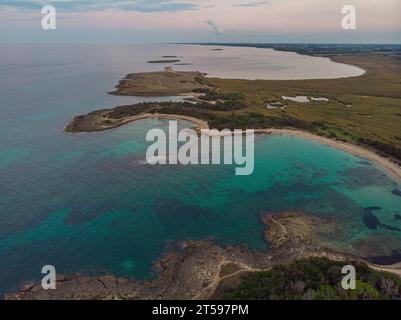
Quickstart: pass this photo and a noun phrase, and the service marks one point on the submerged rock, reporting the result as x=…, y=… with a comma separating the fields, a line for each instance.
x=370, y=220
x=373, y=222
x=396, y=192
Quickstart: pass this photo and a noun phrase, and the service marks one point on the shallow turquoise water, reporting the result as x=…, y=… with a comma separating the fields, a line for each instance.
x=83, y=203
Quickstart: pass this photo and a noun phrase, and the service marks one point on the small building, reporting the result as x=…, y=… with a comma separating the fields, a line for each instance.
x=168, y=69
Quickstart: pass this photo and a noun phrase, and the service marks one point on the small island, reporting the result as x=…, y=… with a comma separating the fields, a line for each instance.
x=163, y=61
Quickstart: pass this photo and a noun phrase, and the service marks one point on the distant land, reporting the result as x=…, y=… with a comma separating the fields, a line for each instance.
x=318, y=49
x=163, y=61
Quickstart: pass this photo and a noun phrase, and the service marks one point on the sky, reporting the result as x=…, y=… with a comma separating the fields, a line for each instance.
x=155, y=21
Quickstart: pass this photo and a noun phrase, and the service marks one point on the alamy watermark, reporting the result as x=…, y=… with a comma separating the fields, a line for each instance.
x=49, y=19
x=211, y=147
x=348, y=21
x=349, y=280
x=49, y=280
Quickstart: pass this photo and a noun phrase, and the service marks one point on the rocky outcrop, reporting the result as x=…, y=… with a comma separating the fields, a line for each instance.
x=195, y=269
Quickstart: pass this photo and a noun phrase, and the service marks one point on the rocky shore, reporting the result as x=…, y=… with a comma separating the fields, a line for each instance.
x=194, y=270
x=101, y=120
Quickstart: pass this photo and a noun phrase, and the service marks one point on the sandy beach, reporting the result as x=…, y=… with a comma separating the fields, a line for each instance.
x=391, y=167
x=96, y=123
x=199, y=123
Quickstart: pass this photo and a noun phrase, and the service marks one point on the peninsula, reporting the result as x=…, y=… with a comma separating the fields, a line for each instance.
x=360, y=115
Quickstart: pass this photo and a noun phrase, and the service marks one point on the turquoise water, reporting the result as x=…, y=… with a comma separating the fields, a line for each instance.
x=83, y=202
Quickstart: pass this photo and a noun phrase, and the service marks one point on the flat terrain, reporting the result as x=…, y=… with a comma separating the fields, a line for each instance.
x=160, y=83
x=362, y=110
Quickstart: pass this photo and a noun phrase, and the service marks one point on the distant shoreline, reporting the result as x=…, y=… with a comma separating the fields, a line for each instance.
x=330, y=56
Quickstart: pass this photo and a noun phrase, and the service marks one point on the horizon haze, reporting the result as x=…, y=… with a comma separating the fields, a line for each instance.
x=155, y=21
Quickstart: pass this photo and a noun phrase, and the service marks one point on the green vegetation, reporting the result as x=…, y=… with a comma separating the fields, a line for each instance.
x=363, y=110
x=200, y=80
x=213, y=95
x=315, y=278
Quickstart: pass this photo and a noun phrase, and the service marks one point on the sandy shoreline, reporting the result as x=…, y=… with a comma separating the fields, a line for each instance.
x=200, y=124
x=392, y=168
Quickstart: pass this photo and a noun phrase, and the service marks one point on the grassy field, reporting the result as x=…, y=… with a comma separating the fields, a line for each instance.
x=364, y=110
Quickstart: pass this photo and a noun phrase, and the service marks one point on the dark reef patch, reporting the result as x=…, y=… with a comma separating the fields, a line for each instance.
x=360, y=177
x=373, y=222
x=173, y=211
x=80, y=215
x=369, y=219
x=396, y=192
x=319, y=174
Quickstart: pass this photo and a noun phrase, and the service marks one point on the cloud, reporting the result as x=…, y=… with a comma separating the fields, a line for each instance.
x=216, y=28
x=202, y=20
x=100, y=5
x=252, y=4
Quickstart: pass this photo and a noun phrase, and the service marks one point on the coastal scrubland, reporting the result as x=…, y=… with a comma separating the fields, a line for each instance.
x=310, y=279
x=364, y=110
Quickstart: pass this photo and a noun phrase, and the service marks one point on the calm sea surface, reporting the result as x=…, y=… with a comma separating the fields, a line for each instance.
x=83, y=202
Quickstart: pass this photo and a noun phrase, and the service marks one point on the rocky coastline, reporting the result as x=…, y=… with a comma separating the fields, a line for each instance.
x=195, y=269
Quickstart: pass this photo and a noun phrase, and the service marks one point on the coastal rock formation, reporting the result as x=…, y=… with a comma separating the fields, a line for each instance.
x=195, y=269
x=112, y=118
